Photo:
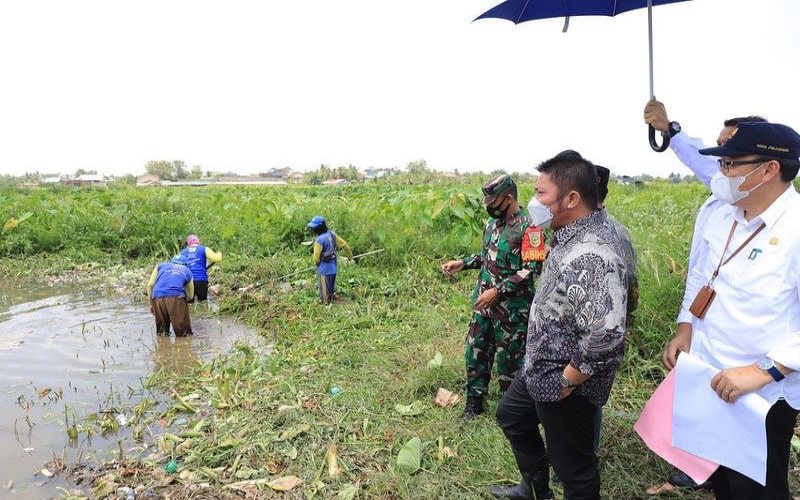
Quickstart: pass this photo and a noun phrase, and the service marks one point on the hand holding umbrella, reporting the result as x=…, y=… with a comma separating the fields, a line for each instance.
x=518, y=11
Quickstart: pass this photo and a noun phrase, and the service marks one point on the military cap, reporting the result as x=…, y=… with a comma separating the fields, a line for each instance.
x=500, y=185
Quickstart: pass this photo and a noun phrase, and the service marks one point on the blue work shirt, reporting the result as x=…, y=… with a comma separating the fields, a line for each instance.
x=171, y=280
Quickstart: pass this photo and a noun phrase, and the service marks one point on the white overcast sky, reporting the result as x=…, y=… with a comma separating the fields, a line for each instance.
x=250, y=85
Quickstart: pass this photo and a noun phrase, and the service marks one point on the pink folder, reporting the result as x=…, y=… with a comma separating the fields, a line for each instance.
x=655, y=428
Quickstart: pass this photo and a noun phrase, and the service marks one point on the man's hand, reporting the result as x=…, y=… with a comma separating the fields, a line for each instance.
x=452, y=267
x=486, y=299
x=731, y=383
x=566, y=391
x=681, y=342
x=575, y=377
x=655, y=114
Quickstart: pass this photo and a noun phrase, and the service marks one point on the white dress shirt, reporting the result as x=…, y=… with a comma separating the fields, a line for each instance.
x=756, y=311
x=704, y=167
x=686, y=149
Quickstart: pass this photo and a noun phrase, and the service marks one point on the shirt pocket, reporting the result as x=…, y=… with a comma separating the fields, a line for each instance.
x=761, y=271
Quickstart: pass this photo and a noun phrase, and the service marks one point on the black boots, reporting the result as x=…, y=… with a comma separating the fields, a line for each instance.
x=535, y=484
x=473, y=407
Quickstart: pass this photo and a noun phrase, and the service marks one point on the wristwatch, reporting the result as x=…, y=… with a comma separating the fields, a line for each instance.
x=566, y=383
x=768, y=365
x=674, y=129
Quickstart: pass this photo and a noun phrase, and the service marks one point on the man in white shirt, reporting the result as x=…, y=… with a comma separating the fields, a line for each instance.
x=687, y=148
x=749, y=327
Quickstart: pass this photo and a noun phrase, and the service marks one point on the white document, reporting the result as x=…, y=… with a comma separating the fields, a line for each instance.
x=733, y=435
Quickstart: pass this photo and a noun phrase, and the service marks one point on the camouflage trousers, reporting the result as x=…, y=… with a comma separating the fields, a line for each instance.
x=494, y=339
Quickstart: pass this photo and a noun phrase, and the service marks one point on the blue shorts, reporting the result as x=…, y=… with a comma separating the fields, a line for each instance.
x=327, y=287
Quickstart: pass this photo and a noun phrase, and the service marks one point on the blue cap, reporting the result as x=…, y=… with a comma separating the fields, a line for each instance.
x=316, y=222
x=756, y=138
x=180, y=259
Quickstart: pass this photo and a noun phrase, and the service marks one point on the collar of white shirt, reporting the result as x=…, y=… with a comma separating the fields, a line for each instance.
x=771, y=215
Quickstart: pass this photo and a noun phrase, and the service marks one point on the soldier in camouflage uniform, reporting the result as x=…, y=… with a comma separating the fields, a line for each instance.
x=503, y=294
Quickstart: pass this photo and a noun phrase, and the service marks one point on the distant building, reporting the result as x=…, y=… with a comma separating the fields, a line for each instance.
x=85, y=180
x=237, y=180
x=51, y=179
x=335, y=182
x=283, y=174
x=148, y=180
x=626, y=180
x=194, y=183
x=372, y=173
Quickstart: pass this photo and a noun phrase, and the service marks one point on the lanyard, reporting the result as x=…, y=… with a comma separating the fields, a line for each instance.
x=730, y=236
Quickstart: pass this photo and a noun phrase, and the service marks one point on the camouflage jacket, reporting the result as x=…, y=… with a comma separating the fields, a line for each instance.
x=630, y=266
x=500, y=260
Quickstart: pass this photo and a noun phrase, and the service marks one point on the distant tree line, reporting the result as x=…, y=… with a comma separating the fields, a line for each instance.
x=173, y=170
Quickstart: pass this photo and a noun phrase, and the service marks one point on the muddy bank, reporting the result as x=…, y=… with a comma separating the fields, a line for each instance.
x=74, y=368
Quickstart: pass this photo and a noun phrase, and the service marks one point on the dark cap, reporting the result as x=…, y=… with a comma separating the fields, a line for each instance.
x=603, y=175
x=754, y=138
x=498, y=186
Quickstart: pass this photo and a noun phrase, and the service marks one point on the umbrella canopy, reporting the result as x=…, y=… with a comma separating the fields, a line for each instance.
x=519, y=11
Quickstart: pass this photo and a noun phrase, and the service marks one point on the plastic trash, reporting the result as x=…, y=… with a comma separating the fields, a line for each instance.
x=122, y=419
x=171, y=467
x=126, y=493
x=336, y=390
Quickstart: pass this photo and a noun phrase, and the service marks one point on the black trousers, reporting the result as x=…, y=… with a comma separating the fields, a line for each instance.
x=200, y=291
x=731, y=485
x=569, y=427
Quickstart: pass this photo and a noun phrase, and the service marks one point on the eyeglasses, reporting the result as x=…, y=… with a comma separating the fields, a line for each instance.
x=725, y=166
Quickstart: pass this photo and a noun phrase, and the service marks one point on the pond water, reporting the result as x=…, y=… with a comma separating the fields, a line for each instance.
x=90, y=352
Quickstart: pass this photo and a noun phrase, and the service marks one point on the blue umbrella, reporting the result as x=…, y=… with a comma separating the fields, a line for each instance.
x=519, y=11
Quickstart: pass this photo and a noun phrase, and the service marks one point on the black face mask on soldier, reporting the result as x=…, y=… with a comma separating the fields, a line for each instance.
x=497, y=212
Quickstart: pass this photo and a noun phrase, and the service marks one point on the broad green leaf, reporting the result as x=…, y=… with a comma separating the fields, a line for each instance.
x=348, y=492
x=10, y=224
x=437, y=209
x=414, y=408
x=293, y=432
x=410, y=457
x=465, y=236
x=436, y=362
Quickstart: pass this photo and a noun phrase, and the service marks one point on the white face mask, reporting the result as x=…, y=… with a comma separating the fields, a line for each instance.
x=540, y=213
x=726, y=189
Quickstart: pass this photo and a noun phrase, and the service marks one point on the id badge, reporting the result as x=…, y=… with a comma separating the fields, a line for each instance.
x=702, y=301
x=533, y=247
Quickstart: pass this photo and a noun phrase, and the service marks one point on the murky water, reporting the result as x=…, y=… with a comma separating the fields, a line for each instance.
x=89, y=352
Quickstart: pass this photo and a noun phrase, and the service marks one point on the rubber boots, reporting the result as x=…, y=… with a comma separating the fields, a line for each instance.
x=473, y=407
x=535, y=484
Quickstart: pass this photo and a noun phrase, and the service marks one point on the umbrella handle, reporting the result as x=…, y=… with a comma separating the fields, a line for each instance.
x=653, y=144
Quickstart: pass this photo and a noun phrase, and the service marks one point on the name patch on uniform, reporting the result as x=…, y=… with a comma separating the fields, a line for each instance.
x=533, y=249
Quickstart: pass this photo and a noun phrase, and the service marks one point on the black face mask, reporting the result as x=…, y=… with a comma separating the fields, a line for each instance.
x=497, y=212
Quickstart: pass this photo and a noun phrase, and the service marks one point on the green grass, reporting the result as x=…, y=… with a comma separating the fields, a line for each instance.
x=273, y=415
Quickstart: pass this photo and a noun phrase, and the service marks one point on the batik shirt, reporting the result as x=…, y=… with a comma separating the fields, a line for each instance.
x=578, y=314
